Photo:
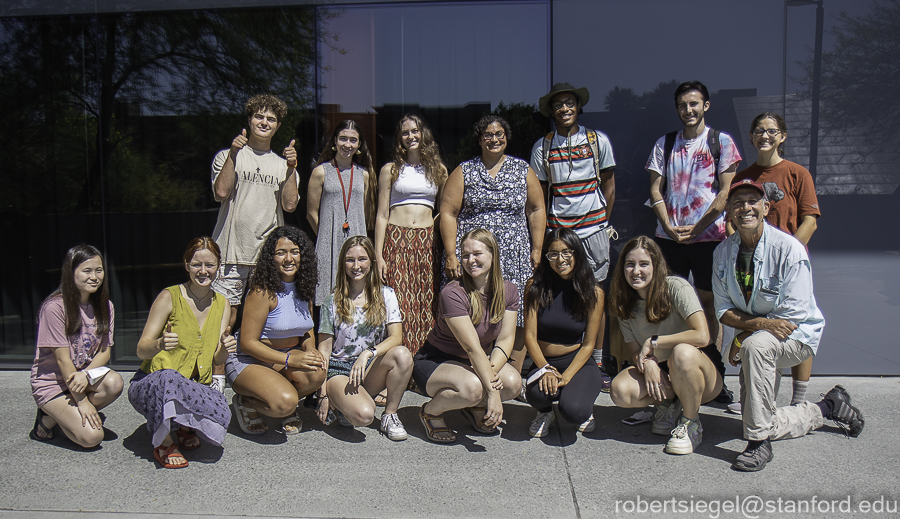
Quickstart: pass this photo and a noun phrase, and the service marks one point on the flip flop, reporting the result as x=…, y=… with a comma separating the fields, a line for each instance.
x=430, y=430
x=39, y=424
x=186, y=435
x=168, y=451
x=478, y=425
x=380, y=399
x=242, y=415
x=291, y=424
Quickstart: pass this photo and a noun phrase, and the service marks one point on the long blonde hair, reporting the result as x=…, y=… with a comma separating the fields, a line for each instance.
x=375, y=308
x=496, y=287
x=435, y=171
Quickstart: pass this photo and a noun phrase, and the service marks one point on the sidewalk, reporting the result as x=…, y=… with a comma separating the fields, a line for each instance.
x=330, y=472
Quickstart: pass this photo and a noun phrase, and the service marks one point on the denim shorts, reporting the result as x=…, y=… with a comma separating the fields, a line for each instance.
x=343, y=367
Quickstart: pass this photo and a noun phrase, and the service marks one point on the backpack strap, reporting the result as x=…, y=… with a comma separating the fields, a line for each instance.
x=595, y=151
x=668, y=146
x=545, y=154
x=715, y=149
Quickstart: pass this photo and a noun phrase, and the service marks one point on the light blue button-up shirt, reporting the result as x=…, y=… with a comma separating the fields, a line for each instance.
x=782, y=283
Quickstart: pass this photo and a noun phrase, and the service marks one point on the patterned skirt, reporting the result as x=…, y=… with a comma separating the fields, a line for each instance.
x=165, y=396
x=412, y=273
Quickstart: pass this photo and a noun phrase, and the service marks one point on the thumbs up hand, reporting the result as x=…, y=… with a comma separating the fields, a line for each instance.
x=228, y=342
x=170, y=340
x=239, y=142
x=290, y=154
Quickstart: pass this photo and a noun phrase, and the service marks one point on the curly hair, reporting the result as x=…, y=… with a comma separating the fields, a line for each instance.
x=376, y=311
x=623, y=296
x=489, y=119
x=539, y=293
x=69, y=293
x=435, y=171
x=362, y=157
x=265, y=276
x=265, y=102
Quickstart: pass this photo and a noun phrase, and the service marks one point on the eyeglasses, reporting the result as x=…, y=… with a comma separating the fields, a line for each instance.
x=565, y=254
x=568, y=103
x=490, y=136
x=772, y=132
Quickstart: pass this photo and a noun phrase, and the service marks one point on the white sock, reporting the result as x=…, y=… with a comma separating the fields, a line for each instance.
x=799, y=391
x=221, y=381
x=598, y=357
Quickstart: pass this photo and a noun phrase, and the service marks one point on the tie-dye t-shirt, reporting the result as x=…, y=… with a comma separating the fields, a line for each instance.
x=351, y=339
x=690, y=178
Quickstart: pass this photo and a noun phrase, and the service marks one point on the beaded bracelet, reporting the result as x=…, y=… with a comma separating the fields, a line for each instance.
x=286, y=360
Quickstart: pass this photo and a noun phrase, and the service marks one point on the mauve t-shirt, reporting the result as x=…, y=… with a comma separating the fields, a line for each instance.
x=455, y=303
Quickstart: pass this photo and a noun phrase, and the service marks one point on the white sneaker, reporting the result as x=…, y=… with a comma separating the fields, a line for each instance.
x=392, y=427
x=735, y=408
x=666, y=417
x=218, y=383
x=686, y=437
x=540, y=426
x=587, y=426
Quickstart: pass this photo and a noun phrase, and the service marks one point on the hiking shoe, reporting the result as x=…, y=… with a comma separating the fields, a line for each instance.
x=540, y=426
x=847, y=417
x=726, y=396
x=392, y=427
x=666, y=417
x=587, y=426
x=605, y=382
x=754, y=458
x=686, y=437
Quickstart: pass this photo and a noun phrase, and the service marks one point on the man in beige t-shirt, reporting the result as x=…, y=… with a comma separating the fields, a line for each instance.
x=254, y=185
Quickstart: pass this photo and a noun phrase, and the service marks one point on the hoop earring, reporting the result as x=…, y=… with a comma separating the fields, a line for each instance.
x=358, y=152
x=333, y=148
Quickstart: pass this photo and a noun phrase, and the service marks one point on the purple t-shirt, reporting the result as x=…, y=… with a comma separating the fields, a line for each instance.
x=46, y=377
x=455, y=303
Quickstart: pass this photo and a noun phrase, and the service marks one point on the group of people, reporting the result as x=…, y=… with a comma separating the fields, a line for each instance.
x=351, y=323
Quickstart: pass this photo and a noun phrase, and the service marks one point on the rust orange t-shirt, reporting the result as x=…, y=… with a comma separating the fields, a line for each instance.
x=790, y=190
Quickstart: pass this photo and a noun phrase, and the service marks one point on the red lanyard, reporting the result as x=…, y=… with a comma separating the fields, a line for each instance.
x=345, y=197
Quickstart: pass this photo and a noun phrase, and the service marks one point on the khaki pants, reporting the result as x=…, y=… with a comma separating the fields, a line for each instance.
x=762, y=355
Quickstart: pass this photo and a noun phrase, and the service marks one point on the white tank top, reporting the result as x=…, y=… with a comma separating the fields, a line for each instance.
x=412, y=187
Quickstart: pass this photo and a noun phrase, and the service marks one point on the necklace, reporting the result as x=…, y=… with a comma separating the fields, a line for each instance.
x=199, y=299
x=345, y=197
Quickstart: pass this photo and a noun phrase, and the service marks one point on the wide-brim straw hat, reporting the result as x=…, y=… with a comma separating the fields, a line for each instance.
x=580, y=93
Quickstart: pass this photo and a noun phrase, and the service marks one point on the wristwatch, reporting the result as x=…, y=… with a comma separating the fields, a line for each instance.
x=373, y=350
x=654, y=341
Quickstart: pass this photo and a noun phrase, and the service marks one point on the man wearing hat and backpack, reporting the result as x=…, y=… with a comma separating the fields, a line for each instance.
x=575, y=166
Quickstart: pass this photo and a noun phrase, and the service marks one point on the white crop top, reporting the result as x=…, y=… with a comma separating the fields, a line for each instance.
x=412, y=187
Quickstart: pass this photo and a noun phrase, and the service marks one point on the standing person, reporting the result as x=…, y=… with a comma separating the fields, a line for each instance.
x=576, y=168
x=794, y=207
x=70, y=382
x=690, y=171
x=763, y=285
x=665, y=328
x=501, y=194
x=563, y=309
x=408, y=189
x=187, y=333
x=464, y=363
x=254, y=186
x=276, y=362
x=340, y=201
x=359, y=336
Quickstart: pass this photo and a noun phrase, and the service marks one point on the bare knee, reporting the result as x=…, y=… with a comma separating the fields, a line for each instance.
x=401, y=358
x=283, y=404
x=361, y=415
x=307, y=381
x=624, y=390
x=87, y=437
x=470, y=389
x=684, y=357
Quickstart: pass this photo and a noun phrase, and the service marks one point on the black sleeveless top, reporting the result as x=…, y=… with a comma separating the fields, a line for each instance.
x=554, y=323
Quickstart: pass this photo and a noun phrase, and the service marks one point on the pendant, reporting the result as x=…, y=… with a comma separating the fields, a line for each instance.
x=346, y=226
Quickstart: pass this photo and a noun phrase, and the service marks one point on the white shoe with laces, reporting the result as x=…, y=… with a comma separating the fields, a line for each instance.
x=686, y=437
x=392, y=427
x=587, y=426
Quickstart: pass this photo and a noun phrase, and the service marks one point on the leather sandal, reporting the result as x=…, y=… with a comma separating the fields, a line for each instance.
x=166, y=452
x=39, y=426
x=185, y=436
x=242, y=415
x=291, y=424
x=431, y=430
x=478, y=425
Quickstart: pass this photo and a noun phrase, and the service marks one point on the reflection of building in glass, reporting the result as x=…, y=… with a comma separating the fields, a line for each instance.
x=848, y=163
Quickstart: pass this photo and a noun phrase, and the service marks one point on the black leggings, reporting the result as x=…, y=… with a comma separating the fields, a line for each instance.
x=576, y=399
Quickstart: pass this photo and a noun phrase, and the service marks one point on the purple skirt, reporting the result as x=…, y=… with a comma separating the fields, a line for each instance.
x=165, y=396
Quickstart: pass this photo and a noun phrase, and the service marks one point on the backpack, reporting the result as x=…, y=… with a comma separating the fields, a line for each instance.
x=712, y=140
x=595, y=153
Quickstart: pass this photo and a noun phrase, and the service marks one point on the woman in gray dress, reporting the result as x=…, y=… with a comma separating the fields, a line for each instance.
x=503, y=195
x=340, y=202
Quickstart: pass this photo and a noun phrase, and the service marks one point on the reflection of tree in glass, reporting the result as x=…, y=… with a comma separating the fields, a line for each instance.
x=860, y=86
x=98, y=94
x=620, y=98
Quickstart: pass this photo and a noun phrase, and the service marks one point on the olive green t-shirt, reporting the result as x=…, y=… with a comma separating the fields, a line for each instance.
x=684, y=304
